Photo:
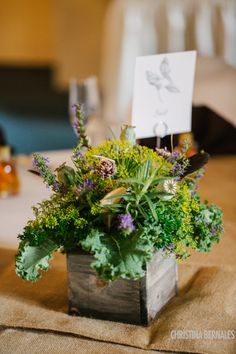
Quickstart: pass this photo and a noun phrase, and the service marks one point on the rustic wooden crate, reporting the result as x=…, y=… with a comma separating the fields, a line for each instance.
x=128, y=301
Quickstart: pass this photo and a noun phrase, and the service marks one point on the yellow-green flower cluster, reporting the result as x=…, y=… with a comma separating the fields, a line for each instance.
x=128, y=158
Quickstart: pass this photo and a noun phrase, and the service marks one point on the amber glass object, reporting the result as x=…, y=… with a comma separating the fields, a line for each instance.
x=9, y=182
x=187, y=139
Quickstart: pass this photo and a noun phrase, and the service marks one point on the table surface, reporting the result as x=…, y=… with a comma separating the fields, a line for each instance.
x=207, y=282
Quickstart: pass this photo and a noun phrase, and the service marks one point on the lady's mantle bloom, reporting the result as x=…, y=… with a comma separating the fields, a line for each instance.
x=126, y=222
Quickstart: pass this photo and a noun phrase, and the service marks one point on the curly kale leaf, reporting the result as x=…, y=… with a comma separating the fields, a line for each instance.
x=208, y=226
x=118, y=257
x=30, y=260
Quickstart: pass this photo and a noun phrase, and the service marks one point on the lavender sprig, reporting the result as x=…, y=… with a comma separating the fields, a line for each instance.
x=40, y=164
x=173, y=157
x=179, y=163
x=177, y=169
x=79, y=126
x=89, y=184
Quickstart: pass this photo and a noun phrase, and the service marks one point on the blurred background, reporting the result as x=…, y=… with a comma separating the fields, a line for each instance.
x=56, y=52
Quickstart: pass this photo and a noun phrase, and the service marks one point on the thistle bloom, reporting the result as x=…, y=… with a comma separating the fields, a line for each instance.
x=126, y=222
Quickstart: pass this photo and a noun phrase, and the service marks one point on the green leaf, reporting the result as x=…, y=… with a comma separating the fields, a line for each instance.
x=131, y=180
x=118, y=256
x=151, y=206
x=117, y=196
x=144, y=170
x=142, y=211
x=30, y=260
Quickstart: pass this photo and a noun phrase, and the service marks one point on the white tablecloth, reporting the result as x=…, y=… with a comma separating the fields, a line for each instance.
x=16, y=210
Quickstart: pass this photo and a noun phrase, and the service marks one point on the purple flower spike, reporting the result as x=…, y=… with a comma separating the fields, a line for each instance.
x=76, y=128
x=56, y=185
x=39, y=162
x=35, y=164
x=126, y=222
x=175, y=154
x=74, y=109
x=171, y=159
x=43, y=160
x=89, y=184
x=177, y=169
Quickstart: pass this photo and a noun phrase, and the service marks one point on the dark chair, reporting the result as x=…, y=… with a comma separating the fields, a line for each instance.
x=211, y=132
x=2, y=137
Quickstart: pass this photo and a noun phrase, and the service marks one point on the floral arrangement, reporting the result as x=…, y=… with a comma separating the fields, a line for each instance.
x=120, y=202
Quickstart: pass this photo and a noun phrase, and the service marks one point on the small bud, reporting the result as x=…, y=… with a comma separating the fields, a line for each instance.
x=66, y=175
x=128, y=134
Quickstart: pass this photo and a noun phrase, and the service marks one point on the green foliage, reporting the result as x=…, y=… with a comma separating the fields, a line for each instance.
x=146, y=204
x=117, y=256
x=207, y=227
x=57, y=219
x=30, y=260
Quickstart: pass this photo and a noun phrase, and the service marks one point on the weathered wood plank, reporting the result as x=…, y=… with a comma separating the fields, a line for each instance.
x=130, y=301
x=161, y=283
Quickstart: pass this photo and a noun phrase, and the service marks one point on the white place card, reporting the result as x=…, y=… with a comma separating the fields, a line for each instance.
x=163, y=89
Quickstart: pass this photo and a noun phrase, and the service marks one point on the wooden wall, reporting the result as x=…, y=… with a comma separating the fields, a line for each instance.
x=79, y=27
x=26, y=32
x=63, y=33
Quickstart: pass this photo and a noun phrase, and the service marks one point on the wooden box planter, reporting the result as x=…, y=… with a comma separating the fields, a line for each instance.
x=128, y=301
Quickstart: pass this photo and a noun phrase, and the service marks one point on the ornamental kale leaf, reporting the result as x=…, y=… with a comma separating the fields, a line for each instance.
x=118, y=257
x=30, y=260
